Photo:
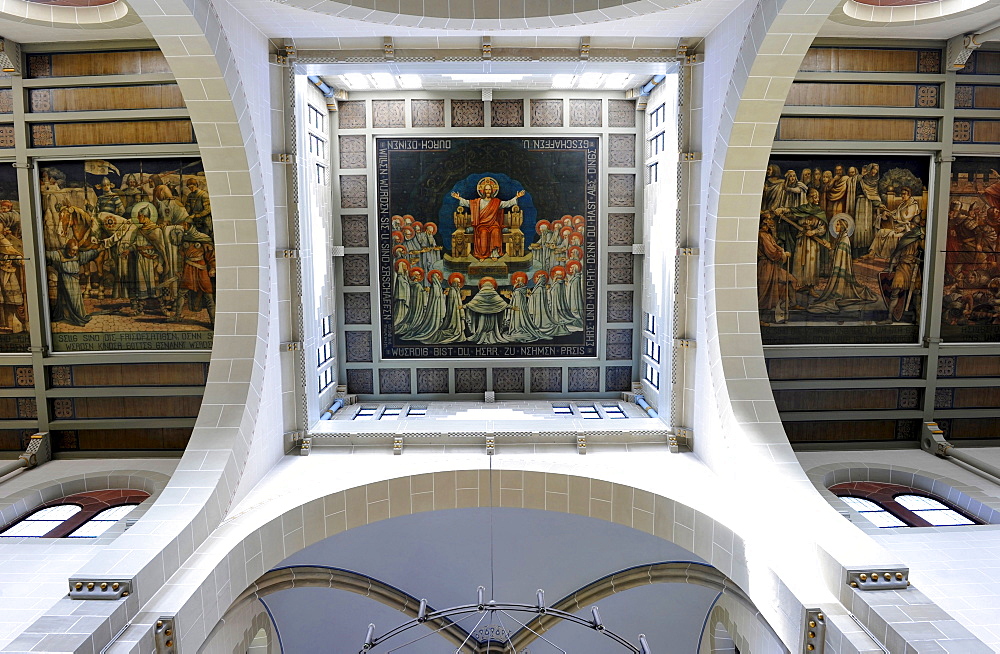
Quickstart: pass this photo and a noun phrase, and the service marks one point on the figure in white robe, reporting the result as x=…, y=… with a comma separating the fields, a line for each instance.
x=559, y=302
x=434, y=313
x=574, y=286
x=541, y=253
x=901, y=220
x=400, y=293
x=418, y=302
x=453, y=327
x=843, y=290
x=521, y=324
x=486, y=312
x=538, y=304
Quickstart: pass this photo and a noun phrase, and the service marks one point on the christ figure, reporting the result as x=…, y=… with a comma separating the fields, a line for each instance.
x=487, y=218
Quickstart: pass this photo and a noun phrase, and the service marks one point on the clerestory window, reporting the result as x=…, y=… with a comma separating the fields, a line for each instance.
x=83, y=515
x=892, y=505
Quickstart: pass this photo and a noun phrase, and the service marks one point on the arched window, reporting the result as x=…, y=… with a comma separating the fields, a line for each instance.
x=83, y=515
x=893, y=505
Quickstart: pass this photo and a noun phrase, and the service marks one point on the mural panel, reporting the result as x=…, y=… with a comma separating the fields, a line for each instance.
x=13, y=310
x=840, y=249
x=129, y=252
x=971, y=297
x=487, y=247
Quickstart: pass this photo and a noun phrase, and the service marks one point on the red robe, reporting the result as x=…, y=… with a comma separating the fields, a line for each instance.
x=488, y=228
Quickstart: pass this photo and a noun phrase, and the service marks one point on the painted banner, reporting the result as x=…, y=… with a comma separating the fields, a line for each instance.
x=840, y=249
x=487, y=247
x=129, y=253
x=14, y=335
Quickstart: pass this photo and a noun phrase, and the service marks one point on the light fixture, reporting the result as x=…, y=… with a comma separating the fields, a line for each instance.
x=482, y=78
x=591, y=81
x=10, y=57
x=383, y=81
x=617, y=80
x=563, y=81
x=356, y=81
x=410, y=81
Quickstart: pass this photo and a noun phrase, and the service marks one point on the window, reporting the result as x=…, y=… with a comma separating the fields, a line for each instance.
x=562, y=409
x=391, y=413
x=324, y=353
x=588, y=411
x=366, y=412
x=317, y=146
x=893, y=505
x=652, y=375
x=317, y=119
x=614, y=411
x=653, y=173
x=321, y=174
x=416, y=411
x=652, y=350
x=657, y=116
x=326, y=326
x=84, y=515
x=650, y=323
x=657, y=144
x=325, y=379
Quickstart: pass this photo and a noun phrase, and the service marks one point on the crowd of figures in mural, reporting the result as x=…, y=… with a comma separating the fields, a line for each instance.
x=544, y=301
x=971, y=295
x=129, y=253
x=489, y=268
x=841, y=244
x=13, y=310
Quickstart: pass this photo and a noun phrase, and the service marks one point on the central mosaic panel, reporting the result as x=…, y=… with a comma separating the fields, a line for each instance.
x=487, y=247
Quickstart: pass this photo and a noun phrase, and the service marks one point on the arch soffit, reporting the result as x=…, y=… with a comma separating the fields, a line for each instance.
x=961, y=494
x=111, y=15
x=320, y=518
x=287, y=578
x=484, y=14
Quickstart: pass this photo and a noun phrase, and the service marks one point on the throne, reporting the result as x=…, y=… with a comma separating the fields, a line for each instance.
x=513, y=237
x=461, y=241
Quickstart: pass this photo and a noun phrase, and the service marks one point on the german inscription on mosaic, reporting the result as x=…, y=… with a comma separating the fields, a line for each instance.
x=13, y=311
x=487, y=247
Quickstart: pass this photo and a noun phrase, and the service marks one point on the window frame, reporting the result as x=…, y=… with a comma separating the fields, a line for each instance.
x=91, y=504
x=885, y=494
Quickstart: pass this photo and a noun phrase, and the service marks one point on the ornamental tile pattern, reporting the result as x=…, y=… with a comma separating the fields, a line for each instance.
x=356, y=270
x=944, y=398
x=617, y=378
x=352, y=151
x=63, y=408
x=929, y=61
x=388, y=113
x=6, y=101
x=432, y=380
x=507, y=113
x=357, y=309
x=911, y=367
x=27, y=409
x=619, y=344
x=394, y=380
x=43, y=135
x=927, y=95
x=39, y=65
x=360, y=381
x=353, y=191
x=24, y=376
x=619, y=306
x=470, y=380
x=546, y=380
x=621, y=150
x=546, y=113
x=40, y=100
x=585, y=380
x=351, y=115
x=358, y=346
x=585, y=113
x=909, y=398
x=61, y=375
x=926, y=130
x=6, y=136
x=468, y=113
x=621, y=228
x=907, y=430
x=620, y=267
x=962, y=131
x=508, y=380
x=946, y=367
x=354, y=231
x=964, y=96
x=621, y=190
x=621, y=113
x=427, y=113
